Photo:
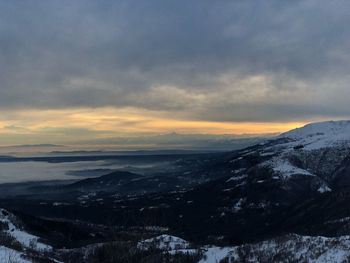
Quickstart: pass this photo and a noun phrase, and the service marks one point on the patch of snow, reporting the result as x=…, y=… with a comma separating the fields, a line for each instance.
x=189, y=251
x=267, y=153
x=237, y=178
x=238, y=206
x=215, y=254
x=238, y=171
x=286, y=169
x=324, y=189
x=164, y=242
x=60, y=204
x=156, y=228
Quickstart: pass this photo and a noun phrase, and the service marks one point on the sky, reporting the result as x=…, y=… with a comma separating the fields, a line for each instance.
x=85, y=69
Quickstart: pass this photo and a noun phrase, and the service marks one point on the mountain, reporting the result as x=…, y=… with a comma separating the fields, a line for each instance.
x=255, y=189
x=320, y=150
x=288, y=194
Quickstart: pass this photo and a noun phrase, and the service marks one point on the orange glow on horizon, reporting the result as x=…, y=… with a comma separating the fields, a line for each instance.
x=113, y=122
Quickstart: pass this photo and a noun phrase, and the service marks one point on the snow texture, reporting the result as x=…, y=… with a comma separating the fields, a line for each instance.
x=321, y=135
x=215, y=254
x=26, y=239
x=305, y=142
x=8, y=255
x=290, y=248
x=286, y=169
x=164, y=242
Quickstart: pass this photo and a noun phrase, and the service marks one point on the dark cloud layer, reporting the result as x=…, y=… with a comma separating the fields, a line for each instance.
x=196, y=59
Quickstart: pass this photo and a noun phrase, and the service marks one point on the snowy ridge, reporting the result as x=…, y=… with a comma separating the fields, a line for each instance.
x=308, y=143
x=321, y=135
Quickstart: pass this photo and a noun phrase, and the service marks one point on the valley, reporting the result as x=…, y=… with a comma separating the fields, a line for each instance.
x=278, y=188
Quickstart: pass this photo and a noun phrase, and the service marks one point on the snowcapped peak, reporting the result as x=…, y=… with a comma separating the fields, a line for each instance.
x=321, y=134
x=328, y=128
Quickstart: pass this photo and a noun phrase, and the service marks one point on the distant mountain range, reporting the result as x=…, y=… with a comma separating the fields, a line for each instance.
x=204, y=142
x=172, y=143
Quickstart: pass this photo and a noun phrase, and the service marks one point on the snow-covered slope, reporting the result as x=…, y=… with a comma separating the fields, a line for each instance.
x=316, y=149
x=288, y=248
x=294, y=248
x=24, y=238
x=300, y=164
x=17, y=245
x=321, y=135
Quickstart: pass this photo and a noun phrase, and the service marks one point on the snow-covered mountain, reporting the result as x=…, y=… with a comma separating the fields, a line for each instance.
x=319, y=150
x=297, y=182
x=314, y=159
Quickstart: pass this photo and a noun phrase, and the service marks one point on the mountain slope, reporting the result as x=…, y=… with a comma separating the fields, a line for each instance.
x=17, y=245
x=259, y=186
x=288, y=248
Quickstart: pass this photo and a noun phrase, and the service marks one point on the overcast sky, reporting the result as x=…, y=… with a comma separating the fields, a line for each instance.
x=103, y=67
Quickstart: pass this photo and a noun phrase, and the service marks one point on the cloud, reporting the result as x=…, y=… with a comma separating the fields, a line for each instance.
x=263, y=61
